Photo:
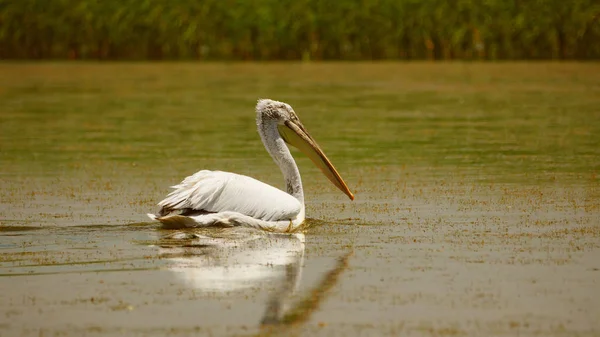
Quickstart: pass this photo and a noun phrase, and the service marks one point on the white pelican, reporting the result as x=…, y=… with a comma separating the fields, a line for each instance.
x=210, y=198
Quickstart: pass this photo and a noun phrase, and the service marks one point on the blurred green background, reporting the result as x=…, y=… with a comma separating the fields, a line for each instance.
x=300, y=29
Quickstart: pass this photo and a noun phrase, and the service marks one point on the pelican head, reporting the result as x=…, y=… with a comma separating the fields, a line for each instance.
x=294, y=133
x=268, y=109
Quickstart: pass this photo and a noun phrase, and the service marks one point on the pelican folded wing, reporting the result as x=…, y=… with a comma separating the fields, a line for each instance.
x=216, y=191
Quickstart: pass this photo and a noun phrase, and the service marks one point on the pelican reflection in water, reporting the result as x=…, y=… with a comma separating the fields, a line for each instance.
x=210, y=198
x=233, y=262
x=230, y=259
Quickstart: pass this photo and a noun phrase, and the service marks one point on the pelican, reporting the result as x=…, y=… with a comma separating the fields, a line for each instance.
x=216, y=198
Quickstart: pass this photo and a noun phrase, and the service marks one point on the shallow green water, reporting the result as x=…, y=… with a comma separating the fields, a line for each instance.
x=476, y=198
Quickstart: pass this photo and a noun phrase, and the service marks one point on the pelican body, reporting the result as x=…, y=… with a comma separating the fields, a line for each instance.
x=215, y=198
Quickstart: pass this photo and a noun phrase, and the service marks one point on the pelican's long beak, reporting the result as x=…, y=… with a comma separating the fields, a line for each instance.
x=294, y=133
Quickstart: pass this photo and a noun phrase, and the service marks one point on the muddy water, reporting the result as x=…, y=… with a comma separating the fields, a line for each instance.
x=476, y=211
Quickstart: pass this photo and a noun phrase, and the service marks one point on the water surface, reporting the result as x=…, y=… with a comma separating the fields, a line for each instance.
x=476, y=211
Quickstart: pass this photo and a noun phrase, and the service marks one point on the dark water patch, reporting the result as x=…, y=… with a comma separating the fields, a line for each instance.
x=66, y=272
x=16, y=228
